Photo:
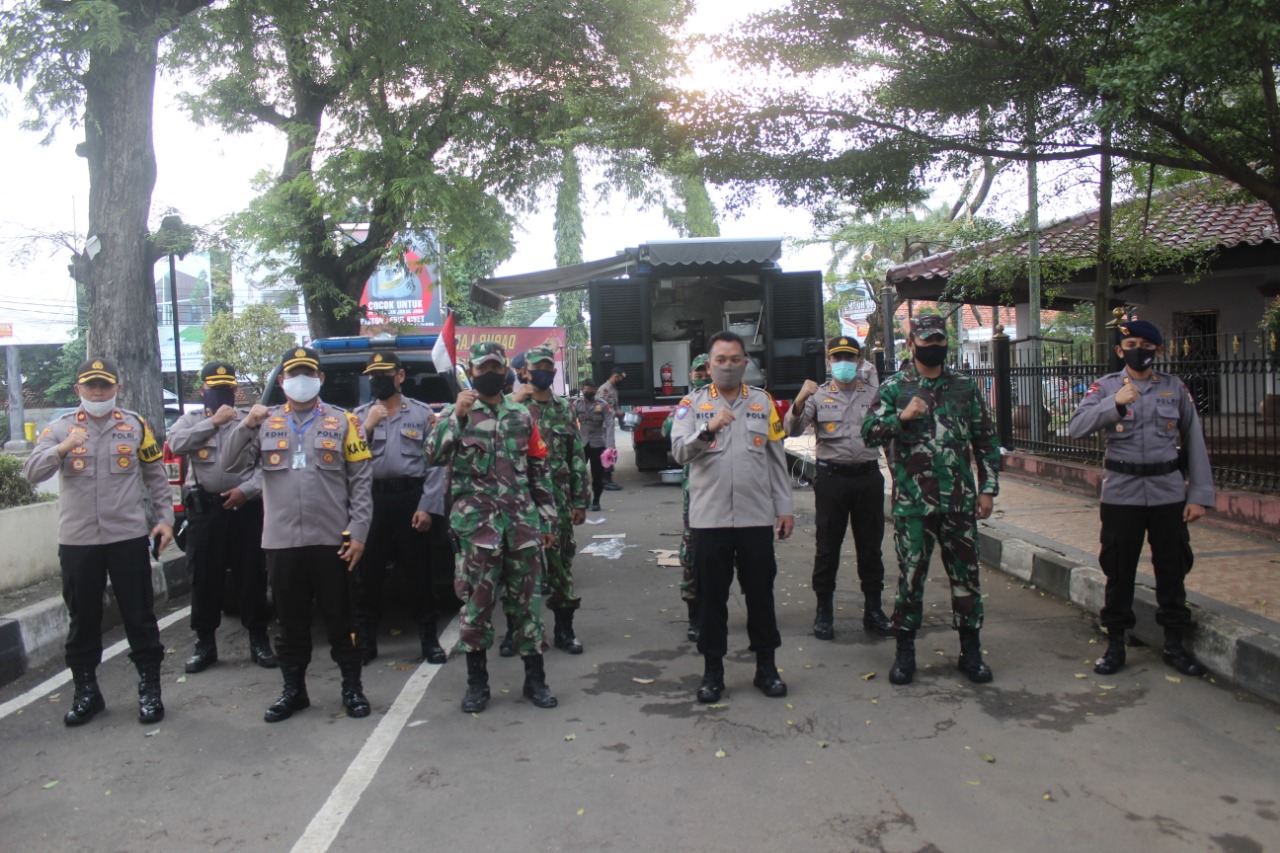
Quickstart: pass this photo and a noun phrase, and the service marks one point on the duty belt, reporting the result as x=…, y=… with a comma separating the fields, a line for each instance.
x=398, y=485
x=1143, y=469
x=859, y=470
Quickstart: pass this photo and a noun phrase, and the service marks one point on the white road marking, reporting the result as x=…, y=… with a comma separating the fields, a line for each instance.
x=328, y=822
x=50, y=684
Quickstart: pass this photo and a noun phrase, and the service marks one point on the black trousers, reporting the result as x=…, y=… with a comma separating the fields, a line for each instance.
x=392, y=537
x=1123, y=529
x=85, y=569
x=300, y=576
x=597, y=470
x=856, y=503
x=716, y=549
x=221, y=541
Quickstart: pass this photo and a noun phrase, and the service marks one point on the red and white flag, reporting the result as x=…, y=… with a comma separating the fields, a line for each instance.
x=445, y=352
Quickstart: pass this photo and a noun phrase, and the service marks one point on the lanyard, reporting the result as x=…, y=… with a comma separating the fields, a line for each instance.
x=300, y=430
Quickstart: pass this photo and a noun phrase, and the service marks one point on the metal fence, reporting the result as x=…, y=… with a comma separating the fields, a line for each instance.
x=1233, y=377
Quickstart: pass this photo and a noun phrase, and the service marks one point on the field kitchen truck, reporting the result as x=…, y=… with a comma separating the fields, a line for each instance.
x=654, y=307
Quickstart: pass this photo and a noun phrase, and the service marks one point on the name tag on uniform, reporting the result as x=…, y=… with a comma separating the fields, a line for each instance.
x=299, y=458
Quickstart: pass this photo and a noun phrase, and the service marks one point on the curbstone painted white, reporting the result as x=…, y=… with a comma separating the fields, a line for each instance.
x=1088, y=588
x=30, y=536
x=1018, y=558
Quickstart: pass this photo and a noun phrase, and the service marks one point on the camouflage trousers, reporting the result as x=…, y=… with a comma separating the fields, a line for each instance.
x=688, y=580
x=558, y=567
x=481, y=576
x=913, y=539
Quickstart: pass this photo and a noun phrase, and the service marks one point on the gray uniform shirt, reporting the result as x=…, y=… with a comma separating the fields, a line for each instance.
x=1149, y=430
x=196, y=437
x=738, y=479
x=837, y=418
x=104, y=482
x=595, y=419
x=608, y=395
x=397, y=442
x=311, y=505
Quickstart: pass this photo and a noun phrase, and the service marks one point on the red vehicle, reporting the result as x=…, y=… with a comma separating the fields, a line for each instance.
x=654, y=307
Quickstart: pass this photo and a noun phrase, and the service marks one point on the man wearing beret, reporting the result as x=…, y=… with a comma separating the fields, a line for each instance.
x=848, y=491
x=224, y=524
x=108, y=464
x=933, y=418
x=503, y=514
x=1149, y=490
x=408, y=501
x=316, y=470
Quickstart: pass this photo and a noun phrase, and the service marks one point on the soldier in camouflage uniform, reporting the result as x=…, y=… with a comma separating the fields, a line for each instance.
x=932, y=417
x=503, y=514
x=567, y=463
x=698, y=378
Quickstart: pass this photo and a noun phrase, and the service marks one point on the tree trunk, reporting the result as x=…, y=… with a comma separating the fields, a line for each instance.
x=119, y=95
x=1102, y=285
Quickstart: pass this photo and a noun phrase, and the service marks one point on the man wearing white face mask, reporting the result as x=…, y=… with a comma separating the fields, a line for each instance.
x=108, y=462
x=316, y=476
x=848, y=491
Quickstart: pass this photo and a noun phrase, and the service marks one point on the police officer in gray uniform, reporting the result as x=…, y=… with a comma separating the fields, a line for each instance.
x=848, y=491
x=408, y=503
x=1148, y=490
x=730, y=436
x=108, y=464
x=316, y=471
x=609, y=396
x=224, y=524
x=595, y=421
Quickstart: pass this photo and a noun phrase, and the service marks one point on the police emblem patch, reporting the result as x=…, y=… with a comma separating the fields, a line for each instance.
x=706, y=407
x=81, y=450
x=329, y=444
x=681, y=412
x=124, y=449
x=757, y=441
x=78, y=464
x=273, y=459
x=756, y=407
x=830, y=427
x=282, y=443
x=202, y=454
x=328, y=458
x=124, y=461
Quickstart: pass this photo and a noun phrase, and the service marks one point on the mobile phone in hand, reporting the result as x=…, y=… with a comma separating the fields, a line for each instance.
x=155, y=546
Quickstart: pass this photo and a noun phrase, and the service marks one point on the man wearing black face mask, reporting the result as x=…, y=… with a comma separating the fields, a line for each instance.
x=1146, y=416
x=408, y=502
x=595, y=419
x=932, y=417
x=224, y=524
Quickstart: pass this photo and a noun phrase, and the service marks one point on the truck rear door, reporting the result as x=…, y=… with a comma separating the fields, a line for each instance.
x=621, y=336
x=795, y=344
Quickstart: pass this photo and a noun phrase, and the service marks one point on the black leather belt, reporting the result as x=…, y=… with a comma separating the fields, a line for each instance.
x=398, y=485
x=1143, y=469
x=859, y=470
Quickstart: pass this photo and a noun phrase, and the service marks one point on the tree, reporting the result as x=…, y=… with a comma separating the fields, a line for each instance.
x=93, y=63
x=522, y=312
x=45, y=375
x=418, y=128
x=251, y=341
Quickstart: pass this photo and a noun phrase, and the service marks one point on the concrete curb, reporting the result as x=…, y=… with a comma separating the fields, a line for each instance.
x=35, y=635
x=1234, y=644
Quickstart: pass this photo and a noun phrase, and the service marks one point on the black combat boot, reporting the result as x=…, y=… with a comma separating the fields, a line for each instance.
x=353, y=698
x=904, y=664
x=88, y=698
x=712, y=685
x=366, y=641
x=260, y=650
x=1112, y=660
x=824, y=618
x=971, y=663
x=767, y=678
x=205, y=654
x=430, y=642
x=695, y=620
x=873, y=619
x=150, y=708
x=477, y=696
x=1177, y=656
x=535, y=683
x=609, y=484
x=564, y=636
x=507, y=648
x=595, y=506
x=292, y=698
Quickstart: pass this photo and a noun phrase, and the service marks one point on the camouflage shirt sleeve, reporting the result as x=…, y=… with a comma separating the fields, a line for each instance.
x=579, y=481
x=540, y=479
x=986, y=449
x=881, y=424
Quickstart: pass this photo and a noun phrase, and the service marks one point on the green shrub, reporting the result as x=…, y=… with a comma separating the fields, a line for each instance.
x=14, y=488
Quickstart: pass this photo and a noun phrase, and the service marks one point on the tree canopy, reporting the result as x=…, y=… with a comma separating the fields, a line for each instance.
x=250, y=340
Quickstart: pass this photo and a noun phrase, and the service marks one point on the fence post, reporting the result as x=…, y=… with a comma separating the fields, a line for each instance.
x=1114, y=362
x=1004, y=388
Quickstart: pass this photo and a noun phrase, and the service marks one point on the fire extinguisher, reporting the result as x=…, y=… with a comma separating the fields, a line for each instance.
x=668, y=385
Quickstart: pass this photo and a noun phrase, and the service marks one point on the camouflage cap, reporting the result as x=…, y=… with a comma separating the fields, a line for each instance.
x=701, y=360
x=383, y=362
x=103, y=369
x=217, y=373
x=539, y=353
x=924, y=325
x=483, y=351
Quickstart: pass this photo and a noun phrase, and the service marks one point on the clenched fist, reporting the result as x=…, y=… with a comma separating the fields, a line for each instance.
x=466, y=399
x=1127, y=394
x=723, y=418
x=914, y=409
x=256, y=415
x=807, y=390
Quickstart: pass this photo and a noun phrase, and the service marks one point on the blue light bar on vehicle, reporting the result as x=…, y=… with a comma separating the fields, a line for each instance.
x=361, y=343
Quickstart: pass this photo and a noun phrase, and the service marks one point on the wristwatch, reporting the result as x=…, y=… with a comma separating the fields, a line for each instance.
x=706, y=435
